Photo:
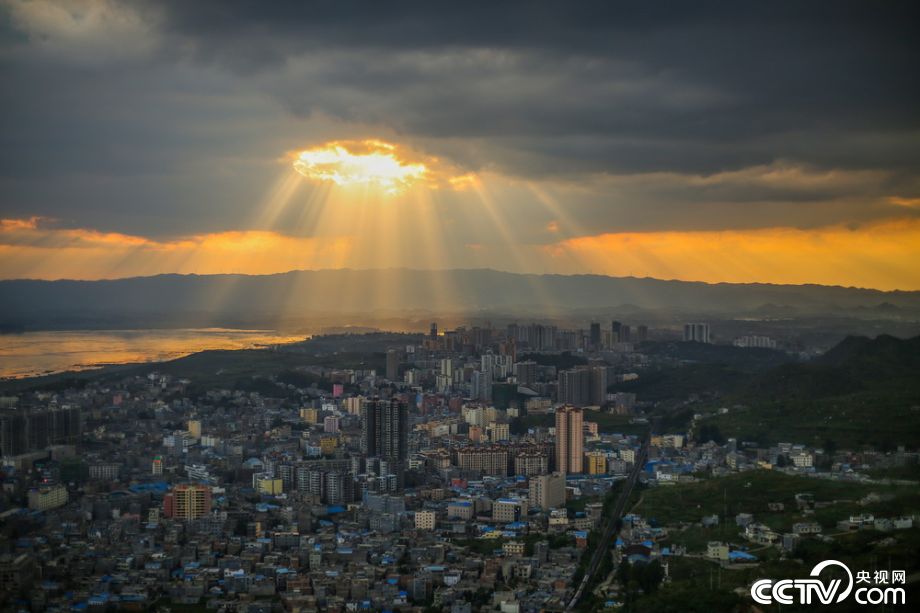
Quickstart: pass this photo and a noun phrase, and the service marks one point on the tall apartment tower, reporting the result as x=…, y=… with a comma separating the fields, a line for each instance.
x=481, y=386
x=187, y=502
x=599, y=382
x=615, y=329
x=393, y=358
x=574, y=386
x=526, y=372
x=595, y=338
x=22, y=431
x=642, y=335
x=570, y=439
x=698, y=333
x=385, y=429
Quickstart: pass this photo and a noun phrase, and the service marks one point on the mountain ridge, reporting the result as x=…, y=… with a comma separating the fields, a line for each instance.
x=765, y=284
x=201, y=300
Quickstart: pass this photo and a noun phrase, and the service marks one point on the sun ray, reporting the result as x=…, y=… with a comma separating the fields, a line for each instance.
x=520, y=262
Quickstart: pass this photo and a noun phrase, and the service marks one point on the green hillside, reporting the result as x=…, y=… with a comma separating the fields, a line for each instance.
x=862, y=392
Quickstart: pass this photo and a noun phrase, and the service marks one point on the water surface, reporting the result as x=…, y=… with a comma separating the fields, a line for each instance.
x=39, y=353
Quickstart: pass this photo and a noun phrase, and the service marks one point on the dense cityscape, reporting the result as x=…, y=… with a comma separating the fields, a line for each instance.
x=465, y=470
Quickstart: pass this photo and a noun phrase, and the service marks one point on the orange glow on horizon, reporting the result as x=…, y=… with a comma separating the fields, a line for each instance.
x=880, y=255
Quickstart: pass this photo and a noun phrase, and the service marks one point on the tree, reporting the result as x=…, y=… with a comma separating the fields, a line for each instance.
x=650, y=576
x=710, y=432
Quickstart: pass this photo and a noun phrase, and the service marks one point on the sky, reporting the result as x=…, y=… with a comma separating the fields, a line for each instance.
x=721, y=142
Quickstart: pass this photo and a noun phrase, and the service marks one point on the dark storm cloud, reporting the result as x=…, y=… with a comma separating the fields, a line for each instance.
x=168, y=118
x=679, y=86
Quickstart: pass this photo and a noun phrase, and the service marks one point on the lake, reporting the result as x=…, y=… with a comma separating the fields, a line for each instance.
x=41, y=353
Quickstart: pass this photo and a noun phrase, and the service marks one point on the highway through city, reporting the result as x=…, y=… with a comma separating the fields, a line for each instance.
x=611, y=529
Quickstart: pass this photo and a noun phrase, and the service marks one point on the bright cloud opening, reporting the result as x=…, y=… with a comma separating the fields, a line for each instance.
x=387, y=167
x=371, y=163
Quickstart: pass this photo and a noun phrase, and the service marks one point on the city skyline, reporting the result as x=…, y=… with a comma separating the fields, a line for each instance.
x=626, y=140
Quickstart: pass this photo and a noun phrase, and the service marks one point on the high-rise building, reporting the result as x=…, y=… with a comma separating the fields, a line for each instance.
x=497, y=365
x=187, y=502
x=385, y=429
x=393, y=364
x=194, y=428
x=595, y=338
x=570, y=437
x=599, y=382
x=353, y=404
x=642, y=334
x=615, y=329
x=574, y=387
x=625, y=334
x=526, y=373
x=547, y=491
x=481, y=385
x=22, y=431
x=499, y=432
x=698, y=333
x=156, y=467
x=474, y=415
x=530, y=463
x=433, y=334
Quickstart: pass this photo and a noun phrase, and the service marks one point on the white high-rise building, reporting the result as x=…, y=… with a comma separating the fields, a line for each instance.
x=481, y=385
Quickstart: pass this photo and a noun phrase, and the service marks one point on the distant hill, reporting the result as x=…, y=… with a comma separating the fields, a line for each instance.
x=882, y=358
x=266, y=300
x=862, y=391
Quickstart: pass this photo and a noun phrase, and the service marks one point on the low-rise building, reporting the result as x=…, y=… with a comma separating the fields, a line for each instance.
x=717, y=550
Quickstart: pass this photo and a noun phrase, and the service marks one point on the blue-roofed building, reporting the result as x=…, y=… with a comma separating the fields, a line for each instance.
x=741, y=556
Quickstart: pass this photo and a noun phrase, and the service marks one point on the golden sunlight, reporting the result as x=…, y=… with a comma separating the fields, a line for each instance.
x=371, y=163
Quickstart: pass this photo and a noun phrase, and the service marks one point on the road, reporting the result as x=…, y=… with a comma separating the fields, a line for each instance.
x=610, y=530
